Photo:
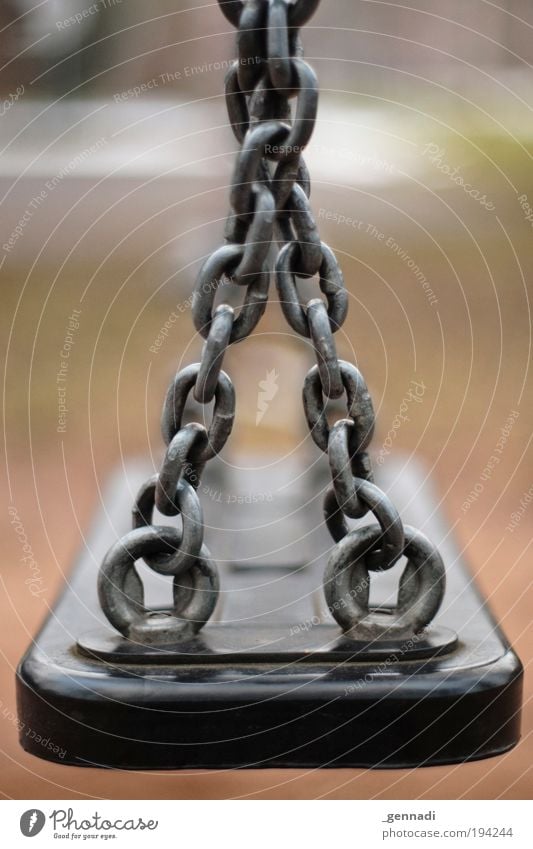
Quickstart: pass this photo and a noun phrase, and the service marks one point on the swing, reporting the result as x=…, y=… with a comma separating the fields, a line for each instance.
x=277, y=657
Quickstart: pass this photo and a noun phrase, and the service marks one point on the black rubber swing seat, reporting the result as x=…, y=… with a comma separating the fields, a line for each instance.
x=270, y=681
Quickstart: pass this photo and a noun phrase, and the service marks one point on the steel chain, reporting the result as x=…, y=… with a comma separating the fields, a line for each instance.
x=269, y=200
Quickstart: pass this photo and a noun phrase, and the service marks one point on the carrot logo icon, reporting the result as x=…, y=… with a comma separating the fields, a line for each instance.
x=32, y=822
x=268, y=389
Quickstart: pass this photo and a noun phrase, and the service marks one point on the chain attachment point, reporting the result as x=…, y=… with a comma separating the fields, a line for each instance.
x=121, y=592
x=347, y=586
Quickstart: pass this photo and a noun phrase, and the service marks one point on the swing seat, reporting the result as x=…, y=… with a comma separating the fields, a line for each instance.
x=271, y=680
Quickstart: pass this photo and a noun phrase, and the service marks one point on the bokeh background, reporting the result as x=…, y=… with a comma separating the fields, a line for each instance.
x=114, y=168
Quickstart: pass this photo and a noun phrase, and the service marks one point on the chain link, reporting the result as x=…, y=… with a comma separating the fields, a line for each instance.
x=271, y=97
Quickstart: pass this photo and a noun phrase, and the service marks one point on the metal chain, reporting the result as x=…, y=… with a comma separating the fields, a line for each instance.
x=269, y=200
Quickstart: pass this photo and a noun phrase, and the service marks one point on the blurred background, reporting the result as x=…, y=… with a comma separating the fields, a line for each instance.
x=114, y=167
